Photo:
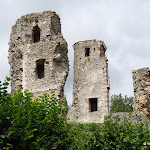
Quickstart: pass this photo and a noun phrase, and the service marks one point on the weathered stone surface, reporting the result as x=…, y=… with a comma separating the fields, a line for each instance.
x=141, y=84
x=38, y=54
x=90, y=81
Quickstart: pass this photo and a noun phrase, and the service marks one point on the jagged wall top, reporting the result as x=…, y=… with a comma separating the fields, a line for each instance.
x=48, y=22
x=34, y=15
x=89, y=41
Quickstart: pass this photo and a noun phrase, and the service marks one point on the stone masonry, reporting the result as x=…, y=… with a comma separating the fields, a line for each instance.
x=38, y=54
x=90, y=85
x=141, y=84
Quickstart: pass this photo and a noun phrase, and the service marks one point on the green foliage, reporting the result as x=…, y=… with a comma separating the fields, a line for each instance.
x=31, y=124
x=40, y=124
x=120, y=104
x=111, y=135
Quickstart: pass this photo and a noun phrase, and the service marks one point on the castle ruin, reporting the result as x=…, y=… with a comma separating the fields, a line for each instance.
x=39, y=62
x=38, y=54
x=141, y=84
x=90, y=84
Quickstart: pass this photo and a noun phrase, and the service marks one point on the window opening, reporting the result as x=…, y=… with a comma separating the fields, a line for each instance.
x=40, y=68
x=87, y=52
x=93, y=104
x=36, y=34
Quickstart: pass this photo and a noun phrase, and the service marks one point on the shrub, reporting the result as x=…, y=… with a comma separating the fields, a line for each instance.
x=31, y=124
x=112, y=134
x=40, y=124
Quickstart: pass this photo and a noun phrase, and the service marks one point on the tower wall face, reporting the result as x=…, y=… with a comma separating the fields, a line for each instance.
x=38, y=54
x=90, y=86
x=141, y=85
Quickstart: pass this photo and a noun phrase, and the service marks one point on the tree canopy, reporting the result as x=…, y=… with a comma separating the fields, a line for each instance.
x=121, y=104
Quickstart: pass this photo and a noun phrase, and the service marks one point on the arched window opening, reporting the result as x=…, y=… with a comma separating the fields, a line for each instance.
x=40, y=68
x=87, y=52
x=36, y=34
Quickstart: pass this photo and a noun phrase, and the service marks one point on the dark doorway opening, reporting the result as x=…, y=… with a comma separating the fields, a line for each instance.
x=93, y=104
x=40, y=68
x=87, y=52
x=36, y=34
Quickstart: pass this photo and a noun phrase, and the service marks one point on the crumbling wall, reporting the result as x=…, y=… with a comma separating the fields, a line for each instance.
x=90, y=85
x=27, y=47
x=141, y=84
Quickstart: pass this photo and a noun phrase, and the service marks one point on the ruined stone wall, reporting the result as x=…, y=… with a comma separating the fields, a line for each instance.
x=90, y=81
x=141, y=84
x=38, y=54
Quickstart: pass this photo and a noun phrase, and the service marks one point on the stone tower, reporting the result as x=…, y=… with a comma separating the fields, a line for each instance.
x=90, y=86
x=141, y=85
x=38, y=54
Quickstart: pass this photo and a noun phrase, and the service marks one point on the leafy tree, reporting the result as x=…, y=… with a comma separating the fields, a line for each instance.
x=40, y=124
x=31, y=124
x=121, y=104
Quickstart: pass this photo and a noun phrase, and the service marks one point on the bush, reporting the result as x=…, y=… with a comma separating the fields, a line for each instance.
x=41, y=124
x=111, y=135
x=31, y=124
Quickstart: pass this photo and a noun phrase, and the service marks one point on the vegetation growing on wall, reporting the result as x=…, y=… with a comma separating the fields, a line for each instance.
x=41, y=124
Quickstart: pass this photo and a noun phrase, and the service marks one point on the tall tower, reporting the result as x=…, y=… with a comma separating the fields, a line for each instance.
x=38, y=54
x=90, y=85
x=141, y=85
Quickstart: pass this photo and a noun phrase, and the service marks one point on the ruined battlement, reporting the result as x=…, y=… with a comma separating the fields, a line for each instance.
x=36, y=15
x=90, y=42
x=48, y=22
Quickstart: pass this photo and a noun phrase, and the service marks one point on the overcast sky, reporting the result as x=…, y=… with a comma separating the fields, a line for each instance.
x=124, y=26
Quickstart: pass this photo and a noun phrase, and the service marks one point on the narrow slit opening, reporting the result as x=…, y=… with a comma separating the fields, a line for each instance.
x=87, y=52
x=40, y=68
x=36, y=34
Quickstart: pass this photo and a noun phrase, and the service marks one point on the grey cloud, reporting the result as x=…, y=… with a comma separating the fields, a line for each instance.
x=122, y=25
